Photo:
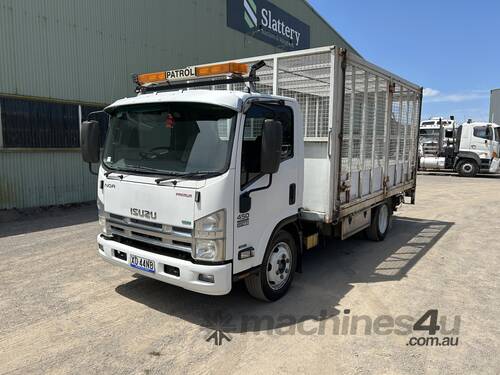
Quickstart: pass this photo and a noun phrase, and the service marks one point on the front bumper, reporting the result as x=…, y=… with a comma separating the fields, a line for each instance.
x=188, y=271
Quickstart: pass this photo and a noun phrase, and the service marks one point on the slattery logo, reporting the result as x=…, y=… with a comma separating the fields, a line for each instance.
x=263, y=20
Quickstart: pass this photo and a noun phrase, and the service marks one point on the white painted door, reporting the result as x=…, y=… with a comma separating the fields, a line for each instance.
x=480, y=141
x=270, y=205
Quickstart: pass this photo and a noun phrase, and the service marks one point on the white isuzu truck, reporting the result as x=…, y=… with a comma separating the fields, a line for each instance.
x=230, y=171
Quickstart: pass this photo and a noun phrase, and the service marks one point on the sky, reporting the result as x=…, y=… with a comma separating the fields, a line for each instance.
x=451, y=48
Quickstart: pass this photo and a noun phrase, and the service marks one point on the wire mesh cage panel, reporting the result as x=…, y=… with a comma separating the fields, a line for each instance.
x=305, y=77
x=380, y=123
x=373, y=113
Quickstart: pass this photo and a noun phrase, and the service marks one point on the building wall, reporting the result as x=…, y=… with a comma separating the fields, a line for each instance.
x=495, y=106
x=83, y=53
x=39, y=177
x=86, y=50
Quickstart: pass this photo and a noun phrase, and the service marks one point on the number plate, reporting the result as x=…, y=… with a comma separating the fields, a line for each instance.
x=142, y=264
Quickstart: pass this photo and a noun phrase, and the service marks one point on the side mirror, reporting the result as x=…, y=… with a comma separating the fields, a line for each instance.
x=89, y=141
x=272, y=139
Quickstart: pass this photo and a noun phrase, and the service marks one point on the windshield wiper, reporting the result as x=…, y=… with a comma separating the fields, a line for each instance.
x=185, y=175
x=139, y=168
x=106, y=174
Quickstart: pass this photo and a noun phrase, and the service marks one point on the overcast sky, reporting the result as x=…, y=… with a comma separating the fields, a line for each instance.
x=451, y=48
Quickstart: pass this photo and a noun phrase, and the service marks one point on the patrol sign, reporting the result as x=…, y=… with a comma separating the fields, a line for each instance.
x=178, y=74
x=265, y=21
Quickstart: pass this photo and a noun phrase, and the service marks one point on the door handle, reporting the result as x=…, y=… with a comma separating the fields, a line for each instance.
x=291, y=194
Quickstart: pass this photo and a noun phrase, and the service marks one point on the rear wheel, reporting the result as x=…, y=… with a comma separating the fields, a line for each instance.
x=381, y=222
x=467, y=168
x=277, y=269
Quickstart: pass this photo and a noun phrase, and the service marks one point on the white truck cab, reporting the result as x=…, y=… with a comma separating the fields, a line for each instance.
x=478, y=145
x=201, y=188
x=207, y=146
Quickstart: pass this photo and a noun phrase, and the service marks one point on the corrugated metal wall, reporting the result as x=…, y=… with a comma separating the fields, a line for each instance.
x=86, y=50
x=495, y=106
x=33, y=178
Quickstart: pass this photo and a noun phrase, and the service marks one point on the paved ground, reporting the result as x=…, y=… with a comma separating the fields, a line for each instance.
x=63, y=310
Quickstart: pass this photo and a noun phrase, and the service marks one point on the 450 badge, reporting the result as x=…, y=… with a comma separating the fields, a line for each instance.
x=242, y=220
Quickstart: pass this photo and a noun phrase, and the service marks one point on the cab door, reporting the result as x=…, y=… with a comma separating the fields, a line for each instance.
x=481, y=141
x=494, y=140
x=271, y=201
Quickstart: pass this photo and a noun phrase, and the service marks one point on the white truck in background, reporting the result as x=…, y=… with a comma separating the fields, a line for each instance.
x=468, y=149
x=201, y=188
x=434, y=134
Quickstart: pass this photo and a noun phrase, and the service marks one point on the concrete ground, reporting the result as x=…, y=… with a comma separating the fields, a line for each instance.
x=63, y=310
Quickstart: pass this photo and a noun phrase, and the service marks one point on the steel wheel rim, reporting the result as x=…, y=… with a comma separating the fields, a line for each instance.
x=383, y=218
x=279, y=266
x=467, y=168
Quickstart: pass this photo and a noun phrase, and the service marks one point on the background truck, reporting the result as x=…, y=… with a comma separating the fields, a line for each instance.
x=433, y=133
x=468, y=149
x=201, y=188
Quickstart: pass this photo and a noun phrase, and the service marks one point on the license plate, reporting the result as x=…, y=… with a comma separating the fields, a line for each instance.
x=142, y=264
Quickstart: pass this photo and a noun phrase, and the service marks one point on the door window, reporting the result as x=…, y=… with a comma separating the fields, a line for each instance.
x=252, y=138
x=482, y=132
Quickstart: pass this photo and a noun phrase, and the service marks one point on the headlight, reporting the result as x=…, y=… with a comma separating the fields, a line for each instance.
x=209, y=234
x=210, y=250
x=104, y=226
x=102, y=218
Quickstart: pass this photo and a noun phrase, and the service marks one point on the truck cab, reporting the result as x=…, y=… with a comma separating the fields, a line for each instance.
x=196, y=170
x=433, y=131
x=478, y=145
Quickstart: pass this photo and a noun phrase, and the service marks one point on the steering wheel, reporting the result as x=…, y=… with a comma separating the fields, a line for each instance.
x=155, y=152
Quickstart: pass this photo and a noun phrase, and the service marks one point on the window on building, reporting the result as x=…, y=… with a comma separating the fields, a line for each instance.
x=252, y=138
x=28, y=123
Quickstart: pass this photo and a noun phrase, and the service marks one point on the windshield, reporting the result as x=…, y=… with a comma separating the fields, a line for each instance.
x=429, y=133
x=175, y=138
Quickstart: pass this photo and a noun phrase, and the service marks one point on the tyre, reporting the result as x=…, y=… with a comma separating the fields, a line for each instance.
x=381, y=222
x=277, y=269
x=467, y=168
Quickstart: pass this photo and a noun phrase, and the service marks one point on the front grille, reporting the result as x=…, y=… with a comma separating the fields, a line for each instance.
x=430, y=148
x=160, y=250
x=148, y=236
x=146, y=223
x=162, y=235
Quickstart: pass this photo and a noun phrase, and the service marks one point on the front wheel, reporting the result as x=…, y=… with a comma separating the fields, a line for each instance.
x=467, y=168
x=277, y=269
x=381, y=222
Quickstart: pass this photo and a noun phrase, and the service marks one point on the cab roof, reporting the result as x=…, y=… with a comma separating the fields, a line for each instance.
x=225, y=98
x=479, y=123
